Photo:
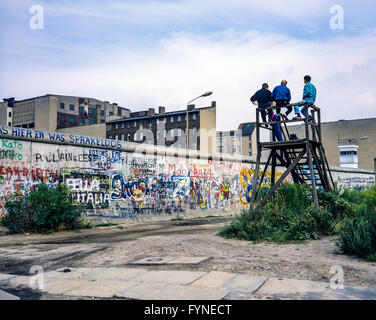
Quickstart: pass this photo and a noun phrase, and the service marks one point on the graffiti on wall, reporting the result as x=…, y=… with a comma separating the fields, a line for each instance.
x=113, y=183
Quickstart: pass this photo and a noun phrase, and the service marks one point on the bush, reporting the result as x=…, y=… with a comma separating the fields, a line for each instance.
x=290, y=215
x=43, y=210
x=357, y=235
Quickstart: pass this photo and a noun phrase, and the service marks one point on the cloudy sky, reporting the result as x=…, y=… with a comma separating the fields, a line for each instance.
x=144, y=54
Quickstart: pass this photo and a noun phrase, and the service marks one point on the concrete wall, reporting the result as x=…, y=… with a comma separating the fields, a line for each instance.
x=115, y=179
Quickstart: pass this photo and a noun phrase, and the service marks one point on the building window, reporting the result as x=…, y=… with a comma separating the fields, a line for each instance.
x=194, y=116
x=179, y=118
x=172, y=119
x=10, y=114
x=92, y=121
x=62, y=105
x=123, y=136
x=123, y=125
x=135, y=123
x=9, y=124
x=110, y=113
x=71, y=119
x=61, y=118
x=102, y=112
x=116, y=126
x=82, y=121
x=71, y=107
x=116, y=137
x=128, y=137
x=91, y=111
x=81, y=109
x=102, y=121
x=128, y=124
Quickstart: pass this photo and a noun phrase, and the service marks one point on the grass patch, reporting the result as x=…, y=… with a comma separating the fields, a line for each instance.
x=290, y=216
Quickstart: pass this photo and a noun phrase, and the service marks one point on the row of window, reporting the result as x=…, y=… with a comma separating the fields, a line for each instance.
x=91, y=111
x=71, y=119
x=233, y=150
x=177, y=132
x=172, y=119
x=140, y=136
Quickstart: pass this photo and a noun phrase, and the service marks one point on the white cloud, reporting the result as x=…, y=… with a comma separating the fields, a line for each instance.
x=232, y=64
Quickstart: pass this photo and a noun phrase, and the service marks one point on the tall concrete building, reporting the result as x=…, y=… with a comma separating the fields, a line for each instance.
x=347, y=143
x=53, y=112
x=169, y=128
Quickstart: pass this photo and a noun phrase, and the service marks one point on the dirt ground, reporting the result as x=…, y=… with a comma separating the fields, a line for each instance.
x=117, y=246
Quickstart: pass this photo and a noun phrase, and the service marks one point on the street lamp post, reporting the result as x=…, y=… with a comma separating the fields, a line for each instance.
x=206, y=94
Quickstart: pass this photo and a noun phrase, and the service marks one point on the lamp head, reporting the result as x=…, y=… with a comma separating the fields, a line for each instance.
x=206, y=94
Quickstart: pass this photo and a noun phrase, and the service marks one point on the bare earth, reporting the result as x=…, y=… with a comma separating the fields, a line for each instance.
x=117, y=246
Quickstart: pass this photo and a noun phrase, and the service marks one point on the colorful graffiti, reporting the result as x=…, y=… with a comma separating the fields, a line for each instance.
x=113, y=183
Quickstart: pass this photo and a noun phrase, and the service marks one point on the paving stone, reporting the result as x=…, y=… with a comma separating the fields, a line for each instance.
x=239, y=296
x=188, y=260
x=244, y=283
x=174, y=277
x=101, y=289
x=5, y=276
x=164, y=291
x=118, y=274
x=292, y=288
x=52, y=275
x=20, y=281
x=214, y=279
x=7, y=296
x=60, y=286
x=153, y=260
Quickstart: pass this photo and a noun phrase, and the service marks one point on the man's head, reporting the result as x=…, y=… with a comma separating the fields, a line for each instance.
x=307, y=79
x=265, y=86
x=284, y=82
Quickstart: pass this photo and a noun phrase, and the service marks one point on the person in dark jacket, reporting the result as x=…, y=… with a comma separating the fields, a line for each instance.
x=263, y=98
x=282, y=96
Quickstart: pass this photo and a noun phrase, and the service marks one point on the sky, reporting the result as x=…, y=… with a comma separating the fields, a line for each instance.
x=145, y=54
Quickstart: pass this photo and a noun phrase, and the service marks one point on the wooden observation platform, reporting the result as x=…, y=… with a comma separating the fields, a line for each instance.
x=303, y=157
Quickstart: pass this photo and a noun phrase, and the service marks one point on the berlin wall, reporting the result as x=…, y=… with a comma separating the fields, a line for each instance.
x=116, y=179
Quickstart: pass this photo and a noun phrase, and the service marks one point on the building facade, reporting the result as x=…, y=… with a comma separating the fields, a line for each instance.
x=168, y=128
x=360, y=134
x=238, y=142
x=53, y=112
x=6, y=112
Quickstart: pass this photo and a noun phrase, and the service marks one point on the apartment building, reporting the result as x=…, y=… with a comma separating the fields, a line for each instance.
x=238, y=142
x=52, y=112
x=169, y=128
x=347, y=143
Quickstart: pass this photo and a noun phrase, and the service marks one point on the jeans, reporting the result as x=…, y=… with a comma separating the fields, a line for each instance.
x=276, y=128
x=303, y=111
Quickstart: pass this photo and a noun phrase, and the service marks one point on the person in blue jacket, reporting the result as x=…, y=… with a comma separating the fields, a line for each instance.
x=282, y=96
x=309, y=96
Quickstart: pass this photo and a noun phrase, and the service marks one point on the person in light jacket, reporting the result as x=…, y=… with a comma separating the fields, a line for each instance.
x=309, y=96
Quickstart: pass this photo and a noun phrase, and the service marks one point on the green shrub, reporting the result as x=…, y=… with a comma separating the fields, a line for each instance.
x=357, y=236
x=43, y=210
x=291, y=215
